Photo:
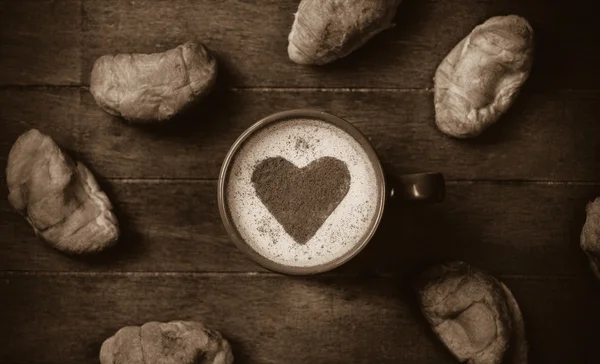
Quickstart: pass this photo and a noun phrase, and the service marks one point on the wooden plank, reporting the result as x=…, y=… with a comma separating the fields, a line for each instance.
x=546, y=136
x=271, y=319
x=40, y=42
x=251, y=40
x=175, y=226
x=166, y=227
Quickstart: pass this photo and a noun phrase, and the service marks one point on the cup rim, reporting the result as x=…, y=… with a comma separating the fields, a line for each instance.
x=279, y=117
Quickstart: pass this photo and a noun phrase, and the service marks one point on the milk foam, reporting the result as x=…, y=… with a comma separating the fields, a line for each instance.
x=302, y=141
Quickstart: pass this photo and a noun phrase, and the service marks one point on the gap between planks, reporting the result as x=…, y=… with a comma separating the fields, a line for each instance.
x=25, y=273
x=451, y=182
x=242, y=89
x=296, y=89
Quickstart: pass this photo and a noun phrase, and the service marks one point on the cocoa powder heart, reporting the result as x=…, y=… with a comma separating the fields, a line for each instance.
x=301, y=199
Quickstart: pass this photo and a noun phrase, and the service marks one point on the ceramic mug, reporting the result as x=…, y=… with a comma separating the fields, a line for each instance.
x=420, y=187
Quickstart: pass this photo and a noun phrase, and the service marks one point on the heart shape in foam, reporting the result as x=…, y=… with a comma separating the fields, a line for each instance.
x=301, y=199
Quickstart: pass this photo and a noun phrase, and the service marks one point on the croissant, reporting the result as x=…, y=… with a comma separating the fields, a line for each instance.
x=153, y=87
x=58, y=196
x=175, y=342
x=474, y=315
x=481, y=77
x=325, y=30
x=590, y=236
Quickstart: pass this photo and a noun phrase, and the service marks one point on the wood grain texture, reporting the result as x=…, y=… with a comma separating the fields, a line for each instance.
x=251, y=40
x=175, y=260
x=273, y=319
x=56, y=43
x=546, y=136
x=506, y=228
x=40, y=42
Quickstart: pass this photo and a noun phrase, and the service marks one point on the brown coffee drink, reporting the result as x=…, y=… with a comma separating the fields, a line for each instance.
x=303, y=192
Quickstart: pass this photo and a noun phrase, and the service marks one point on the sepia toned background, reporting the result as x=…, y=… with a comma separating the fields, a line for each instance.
x=515, y=196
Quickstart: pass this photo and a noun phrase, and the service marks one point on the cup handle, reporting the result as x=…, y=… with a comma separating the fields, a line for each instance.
x=417, y=187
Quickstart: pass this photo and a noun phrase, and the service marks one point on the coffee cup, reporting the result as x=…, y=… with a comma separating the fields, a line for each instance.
x=302, y=191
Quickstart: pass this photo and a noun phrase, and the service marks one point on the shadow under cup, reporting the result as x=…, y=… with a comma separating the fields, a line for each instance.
x=422, y=187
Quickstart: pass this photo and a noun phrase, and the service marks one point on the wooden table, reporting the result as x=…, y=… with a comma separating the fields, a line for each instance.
x=515, y=196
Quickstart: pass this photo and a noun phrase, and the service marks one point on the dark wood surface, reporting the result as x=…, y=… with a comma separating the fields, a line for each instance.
x=272, y=319
x=545, y=137
x=60, y=40
x=515, y=198
x=172, y=226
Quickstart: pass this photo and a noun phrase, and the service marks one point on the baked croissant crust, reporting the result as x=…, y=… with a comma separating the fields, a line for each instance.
x=153, y=87
x=590, y=236
x=481, y=77
x=473, y=314
x=326, y=30
x=175, y=342
x=58, y=196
